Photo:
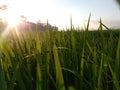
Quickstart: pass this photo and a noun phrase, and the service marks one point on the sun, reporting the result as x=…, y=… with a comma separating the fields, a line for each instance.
x=13, y=21
x=12, y=18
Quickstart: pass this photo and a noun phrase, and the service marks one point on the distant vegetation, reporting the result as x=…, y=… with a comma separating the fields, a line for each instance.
x=26, y=25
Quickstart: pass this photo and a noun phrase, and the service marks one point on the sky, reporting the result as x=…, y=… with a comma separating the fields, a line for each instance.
x=59, y=12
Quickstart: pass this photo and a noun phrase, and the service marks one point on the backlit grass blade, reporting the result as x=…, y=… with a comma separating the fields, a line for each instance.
x=103, y=25
x=71, y=25
x=59, y=75
x=88, y=23
x=100, y=27
x=39, y=77
x=47, y=58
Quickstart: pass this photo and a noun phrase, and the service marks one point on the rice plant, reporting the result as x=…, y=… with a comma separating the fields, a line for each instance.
x=61, y=60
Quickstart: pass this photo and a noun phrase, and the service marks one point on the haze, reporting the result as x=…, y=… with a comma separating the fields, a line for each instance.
x=58, y=12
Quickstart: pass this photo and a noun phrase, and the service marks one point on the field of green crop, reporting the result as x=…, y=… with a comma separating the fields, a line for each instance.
x=61, y=60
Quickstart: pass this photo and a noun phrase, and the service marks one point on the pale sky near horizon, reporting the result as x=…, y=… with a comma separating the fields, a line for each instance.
x=58, y=12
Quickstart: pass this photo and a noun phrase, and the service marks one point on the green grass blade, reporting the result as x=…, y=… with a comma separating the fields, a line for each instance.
x=100, y=73
x=82, y=68
x=14, y=77
x=117, y=63
x=115, y=79
x=59, y=75
x=88, y=23
x=38, y=75
x=100, y=27
x=3, y=85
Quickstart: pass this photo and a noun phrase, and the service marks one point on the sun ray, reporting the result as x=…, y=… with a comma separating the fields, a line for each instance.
x=11, y=19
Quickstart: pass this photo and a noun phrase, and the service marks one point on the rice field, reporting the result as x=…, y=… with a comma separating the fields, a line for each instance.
x=71, y=59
